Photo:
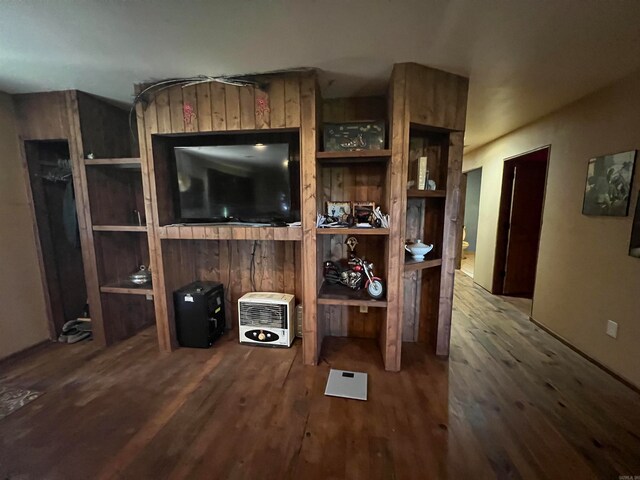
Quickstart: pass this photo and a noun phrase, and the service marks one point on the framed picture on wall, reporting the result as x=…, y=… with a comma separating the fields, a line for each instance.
x=634, y=244
x=608, y=188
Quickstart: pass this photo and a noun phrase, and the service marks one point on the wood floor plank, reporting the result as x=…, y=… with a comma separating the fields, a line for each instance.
x=511, y=402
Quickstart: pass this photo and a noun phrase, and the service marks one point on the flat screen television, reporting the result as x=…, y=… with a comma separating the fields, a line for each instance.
x=245, y=183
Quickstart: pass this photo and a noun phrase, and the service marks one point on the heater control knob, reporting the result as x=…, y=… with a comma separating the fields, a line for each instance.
x=261, y=336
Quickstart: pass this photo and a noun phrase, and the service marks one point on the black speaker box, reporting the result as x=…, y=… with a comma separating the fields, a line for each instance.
x=199, y=312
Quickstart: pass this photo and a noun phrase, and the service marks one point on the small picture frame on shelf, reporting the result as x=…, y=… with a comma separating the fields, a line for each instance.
x=338, y=209
x=363, y=211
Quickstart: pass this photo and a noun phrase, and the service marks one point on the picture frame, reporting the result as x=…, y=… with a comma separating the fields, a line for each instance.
x=608, y=185
x=338, y=209
x=634, y=242
x=363, y=210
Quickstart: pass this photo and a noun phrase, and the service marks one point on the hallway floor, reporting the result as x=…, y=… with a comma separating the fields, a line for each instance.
x=467, y=264
x=511, y=402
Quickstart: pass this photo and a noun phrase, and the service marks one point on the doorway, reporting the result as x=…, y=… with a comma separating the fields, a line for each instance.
x=471, y=186
x=54, y=204
x=520, y=223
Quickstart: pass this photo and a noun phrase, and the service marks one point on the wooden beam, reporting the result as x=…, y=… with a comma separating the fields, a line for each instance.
x=450, y=242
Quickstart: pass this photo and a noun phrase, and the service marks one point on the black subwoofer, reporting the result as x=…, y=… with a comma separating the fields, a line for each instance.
x=199, y=312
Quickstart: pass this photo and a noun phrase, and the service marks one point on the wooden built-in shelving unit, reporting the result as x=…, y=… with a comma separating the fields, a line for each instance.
x=109, y=202
x=128, y=217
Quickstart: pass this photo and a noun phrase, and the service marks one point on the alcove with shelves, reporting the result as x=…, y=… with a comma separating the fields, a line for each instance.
x=108, y=185
x=115, y=194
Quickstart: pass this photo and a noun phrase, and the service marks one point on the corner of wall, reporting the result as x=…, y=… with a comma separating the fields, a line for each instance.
x=23, y=321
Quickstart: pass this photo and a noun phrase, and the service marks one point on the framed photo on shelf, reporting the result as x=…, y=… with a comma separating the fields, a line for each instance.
x=362, y=211
x=338, y=209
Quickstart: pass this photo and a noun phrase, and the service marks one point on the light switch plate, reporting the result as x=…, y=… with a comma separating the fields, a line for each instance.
x=612, y=329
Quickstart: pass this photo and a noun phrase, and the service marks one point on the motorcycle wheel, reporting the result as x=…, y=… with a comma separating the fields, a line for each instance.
x=375, y=289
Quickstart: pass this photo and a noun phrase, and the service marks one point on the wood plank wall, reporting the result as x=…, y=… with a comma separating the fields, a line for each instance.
x=273, y=268
x=437, y=99
x=284, y=101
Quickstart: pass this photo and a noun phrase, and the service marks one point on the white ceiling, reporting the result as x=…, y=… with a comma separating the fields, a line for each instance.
x=525, y=58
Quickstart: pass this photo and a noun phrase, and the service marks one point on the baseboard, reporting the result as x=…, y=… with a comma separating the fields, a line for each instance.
x=606, y=369
x=24, y=353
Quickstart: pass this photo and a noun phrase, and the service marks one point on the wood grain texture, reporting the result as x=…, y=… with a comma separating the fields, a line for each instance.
x=231, y=233
x=450, y=242
x=101, y=332
x=438, y=99
x=232, y=107
x=203, y=110
x=306, y=109
x=354, y=109
x=218, y=106
x=391, y=336
x=147, y=125
x=42, y=116
x=511, y=402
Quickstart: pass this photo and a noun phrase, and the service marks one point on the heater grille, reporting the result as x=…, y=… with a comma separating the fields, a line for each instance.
x=265, y=315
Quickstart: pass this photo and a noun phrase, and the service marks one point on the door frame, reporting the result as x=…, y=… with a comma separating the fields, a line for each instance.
x=460, y=225
x=504, y=214
x=26, y=173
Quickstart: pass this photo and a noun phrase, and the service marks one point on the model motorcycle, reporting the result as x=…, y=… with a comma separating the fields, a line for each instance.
x=358, y=272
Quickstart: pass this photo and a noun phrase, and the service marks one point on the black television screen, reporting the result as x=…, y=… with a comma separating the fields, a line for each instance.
x=247, y=183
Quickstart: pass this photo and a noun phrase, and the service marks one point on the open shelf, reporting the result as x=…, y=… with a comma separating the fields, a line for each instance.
x=221, y=232
x=112, y=161
x=352, y=231
x=115, y=193
x=411, y=265
x=415, y=193
x=341, y=295
x=127, y=288
x=119, y=228
x=365, y=156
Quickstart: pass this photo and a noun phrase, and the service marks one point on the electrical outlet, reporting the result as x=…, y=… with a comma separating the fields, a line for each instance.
x=364, y=309
x=612, y=329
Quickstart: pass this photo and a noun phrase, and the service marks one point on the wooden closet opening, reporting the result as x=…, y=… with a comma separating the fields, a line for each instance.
x=58, y=235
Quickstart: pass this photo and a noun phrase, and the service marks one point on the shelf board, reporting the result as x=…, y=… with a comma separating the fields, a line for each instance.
x=352, y=231
x=119, y=228
x=357, y=156
x=341, y=295
x=415, y=193
x=411, y=265
x=235, y=232
x=127, y=288
x=112, y=161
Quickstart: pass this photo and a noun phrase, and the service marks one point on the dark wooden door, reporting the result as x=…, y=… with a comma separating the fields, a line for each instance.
x=524, y=227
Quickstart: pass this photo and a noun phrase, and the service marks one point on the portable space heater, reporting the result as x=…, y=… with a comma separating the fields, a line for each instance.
x=267, y=319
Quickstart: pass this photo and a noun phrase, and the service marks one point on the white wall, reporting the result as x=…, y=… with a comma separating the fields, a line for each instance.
x=22, y=307
x=585, y=275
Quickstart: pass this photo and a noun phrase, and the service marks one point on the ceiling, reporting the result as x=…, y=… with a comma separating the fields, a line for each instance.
x=525, y=58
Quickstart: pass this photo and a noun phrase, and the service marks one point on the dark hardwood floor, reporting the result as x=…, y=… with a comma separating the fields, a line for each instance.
x=512, y=402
